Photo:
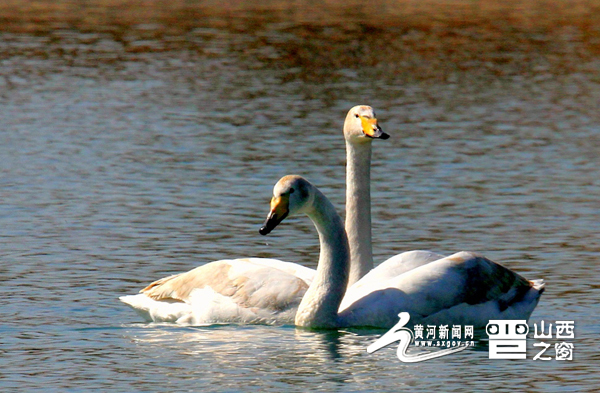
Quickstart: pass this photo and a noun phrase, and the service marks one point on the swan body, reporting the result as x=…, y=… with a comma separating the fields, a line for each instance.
x=250, y=290
x=464, y=288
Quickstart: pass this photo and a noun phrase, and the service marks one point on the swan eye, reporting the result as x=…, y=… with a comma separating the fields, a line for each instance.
x=357, y=116
x=292, y=190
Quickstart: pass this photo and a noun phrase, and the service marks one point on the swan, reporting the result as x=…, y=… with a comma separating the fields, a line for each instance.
x=364, y=279
x=463, y=288
x=248, y=290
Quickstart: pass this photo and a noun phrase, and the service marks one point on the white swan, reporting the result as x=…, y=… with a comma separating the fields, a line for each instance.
x=250, y=290
x=364, y=279
x=463, y=288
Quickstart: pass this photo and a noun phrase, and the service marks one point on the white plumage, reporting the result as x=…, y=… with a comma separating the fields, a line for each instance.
x=251, y=290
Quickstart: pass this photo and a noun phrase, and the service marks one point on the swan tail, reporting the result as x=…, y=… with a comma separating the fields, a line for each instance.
x=156, y=311
x=523, y=307
x=539, y=285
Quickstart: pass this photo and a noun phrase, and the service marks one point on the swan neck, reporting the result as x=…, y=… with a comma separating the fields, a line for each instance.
x=358, y=208
x=320, y=304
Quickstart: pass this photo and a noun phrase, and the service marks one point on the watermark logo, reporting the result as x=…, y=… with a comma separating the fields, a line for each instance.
x=507, y=339
x=404, y=337
x=562, y=350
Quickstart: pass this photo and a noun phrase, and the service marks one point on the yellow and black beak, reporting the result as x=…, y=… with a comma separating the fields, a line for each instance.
x=371, y=128
x=279, y=211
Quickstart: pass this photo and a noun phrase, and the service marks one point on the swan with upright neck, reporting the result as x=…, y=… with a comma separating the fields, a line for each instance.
x=365, y=280
x=358, y=203
x=360, y=128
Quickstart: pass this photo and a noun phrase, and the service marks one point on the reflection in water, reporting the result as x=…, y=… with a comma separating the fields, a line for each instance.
x=284, y=356
x=224, y=341
x=141, y=139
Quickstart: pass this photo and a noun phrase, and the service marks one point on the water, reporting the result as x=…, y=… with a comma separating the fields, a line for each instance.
x=137, y=145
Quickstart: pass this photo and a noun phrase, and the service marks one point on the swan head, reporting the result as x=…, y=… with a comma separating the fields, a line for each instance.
x=292, y=194
x=361, y=125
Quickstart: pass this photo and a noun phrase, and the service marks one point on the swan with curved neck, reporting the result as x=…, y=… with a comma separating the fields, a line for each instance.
x=463, y=288
x=293, y=195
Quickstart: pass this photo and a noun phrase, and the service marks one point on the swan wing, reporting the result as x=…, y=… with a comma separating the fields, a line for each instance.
x=463, y=288
x=391, y=268
x=251, y=290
